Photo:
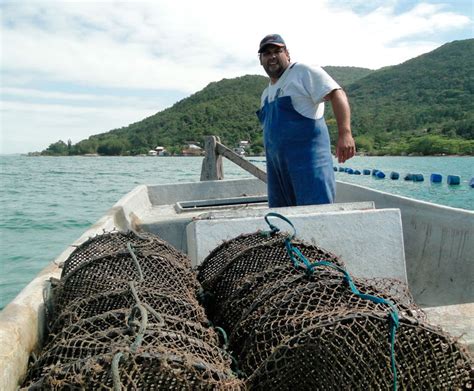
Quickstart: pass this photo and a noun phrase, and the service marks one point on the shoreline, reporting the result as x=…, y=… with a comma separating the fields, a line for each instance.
x=246, y=156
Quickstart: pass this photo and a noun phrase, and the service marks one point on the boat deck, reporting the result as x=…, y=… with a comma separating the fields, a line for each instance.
x=375, y=233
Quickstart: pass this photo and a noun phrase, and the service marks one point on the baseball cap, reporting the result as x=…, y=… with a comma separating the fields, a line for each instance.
x=271, y=39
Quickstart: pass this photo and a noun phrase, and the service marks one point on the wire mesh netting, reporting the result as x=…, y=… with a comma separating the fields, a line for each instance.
x=128, y=314
x=115, y=242
x=182, y=308
x=352, y=352
x=222, y=254
x=125, y=315
x=228, y=272
x=116, y=331
x=309, y=296
x=137, y=371
x=301, y=322
x=114, y=271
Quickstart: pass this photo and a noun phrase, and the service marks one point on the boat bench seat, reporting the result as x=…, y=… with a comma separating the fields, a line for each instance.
x=369, y=241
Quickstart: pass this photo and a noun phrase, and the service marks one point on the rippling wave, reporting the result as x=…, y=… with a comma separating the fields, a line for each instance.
x=47, y=202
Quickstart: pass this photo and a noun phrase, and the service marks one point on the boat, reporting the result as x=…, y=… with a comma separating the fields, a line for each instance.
x=428, y=246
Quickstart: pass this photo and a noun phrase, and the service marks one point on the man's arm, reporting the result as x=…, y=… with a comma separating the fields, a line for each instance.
x=345, y=147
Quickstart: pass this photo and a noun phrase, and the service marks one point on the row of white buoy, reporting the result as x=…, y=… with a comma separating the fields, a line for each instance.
x=434, y=178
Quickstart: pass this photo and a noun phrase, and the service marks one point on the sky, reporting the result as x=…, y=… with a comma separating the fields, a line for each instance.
x=71, y=69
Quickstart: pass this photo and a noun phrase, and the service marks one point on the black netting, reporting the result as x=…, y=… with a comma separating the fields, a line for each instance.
x=222, y=254
x=126, y=315
x=117, y=331
x=292, y=326
x=116, y=241
x=113, y=272
x=183, y=308
x=353, y=352
x=238, y=266
x=138, y=371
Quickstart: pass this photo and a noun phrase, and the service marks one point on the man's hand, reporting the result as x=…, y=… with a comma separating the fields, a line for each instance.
x=345, y=148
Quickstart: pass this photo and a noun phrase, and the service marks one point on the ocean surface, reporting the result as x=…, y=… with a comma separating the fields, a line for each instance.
x=47, y=202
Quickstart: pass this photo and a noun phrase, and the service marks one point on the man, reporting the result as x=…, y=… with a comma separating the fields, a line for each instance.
x=297, y=146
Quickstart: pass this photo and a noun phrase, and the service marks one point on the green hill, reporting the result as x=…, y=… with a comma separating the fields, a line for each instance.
x=422, y=106
x=225, y=108
x=347, y=75
x=424, y=102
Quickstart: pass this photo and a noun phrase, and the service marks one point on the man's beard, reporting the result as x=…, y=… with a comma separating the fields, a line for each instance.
x=274, y=71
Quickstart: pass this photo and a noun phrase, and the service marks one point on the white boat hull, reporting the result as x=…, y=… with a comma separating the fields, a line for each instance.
x=438, y=247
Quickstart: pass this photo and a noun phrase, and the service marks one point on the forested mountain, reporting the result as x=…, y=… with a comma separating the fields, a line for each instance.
x=424, y=106
x=430, y=95
x=225, y=108
x=347, y=75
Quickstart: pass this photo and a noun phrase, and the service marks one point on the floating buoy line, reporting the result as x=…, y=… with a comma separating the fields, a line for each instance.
x=451, y=180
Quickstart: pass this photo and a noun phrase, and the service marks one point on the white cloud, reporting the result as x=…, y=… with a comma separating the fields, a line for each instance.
x=184, y=45
x=100, y=60
x=30, y=127
x=89, y=98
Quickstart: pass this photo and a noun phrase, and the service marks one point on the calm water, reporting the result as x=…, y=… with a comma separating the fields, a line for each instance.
x=47, y=202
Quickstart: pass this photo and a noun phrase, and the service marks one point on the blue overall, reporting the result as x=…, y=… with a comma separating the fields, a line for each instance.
x=298, y=152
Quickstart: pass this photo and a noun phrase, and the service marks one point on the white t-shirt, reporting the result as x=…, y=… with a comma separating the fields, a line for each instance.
x=306, y=86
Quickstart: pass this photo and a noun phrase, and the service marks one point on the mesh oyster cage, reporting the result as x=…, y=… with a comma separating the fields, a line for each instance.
x=235, y=307
x=222, y=254
x=254, y=352
x=119, y=330
x=232, y=273
x=258, y=288
x=307, y=297
x=138, y=371
x=351, y=352
x=116, y=241
x=105, y=279
x=112, y=272
x=282, y=335
x=181, y=308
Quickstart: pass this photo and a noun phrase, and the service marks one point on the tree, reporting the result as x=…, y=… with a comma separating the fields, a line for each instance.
x=58, y=148
x=364, y=143
x=112, y=147
x=391, y=107
x=86, y=146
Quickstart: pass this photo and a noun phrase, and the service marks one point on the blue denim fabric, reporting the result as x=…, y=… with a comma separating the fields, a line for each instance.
x=298, y=152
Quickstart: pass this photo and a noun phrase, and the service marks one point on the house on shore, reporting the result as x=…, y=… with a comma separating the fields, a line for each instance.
x=241, y=148
x=158, y=151
x=192, y=150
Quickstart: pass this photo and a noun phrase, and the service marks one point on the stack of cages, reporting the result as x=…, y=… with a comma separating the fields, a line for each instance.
x=125, y=315
x=295, y=326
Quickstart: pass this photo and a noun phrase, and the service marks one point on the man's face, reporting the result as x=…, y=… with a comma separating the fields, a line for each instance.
x=274, y=60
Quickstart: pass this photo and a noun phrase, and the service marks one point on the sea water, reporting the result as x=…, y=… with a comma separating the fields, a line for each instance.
x=47, y=202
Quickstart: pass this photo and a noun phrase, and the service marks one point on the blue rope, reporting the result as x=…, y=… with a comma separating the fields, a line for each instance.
x=225, y=346
x=117, y=384
x=224, y=336
x=274, y=228
x=297, y=258
x=135, y=260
